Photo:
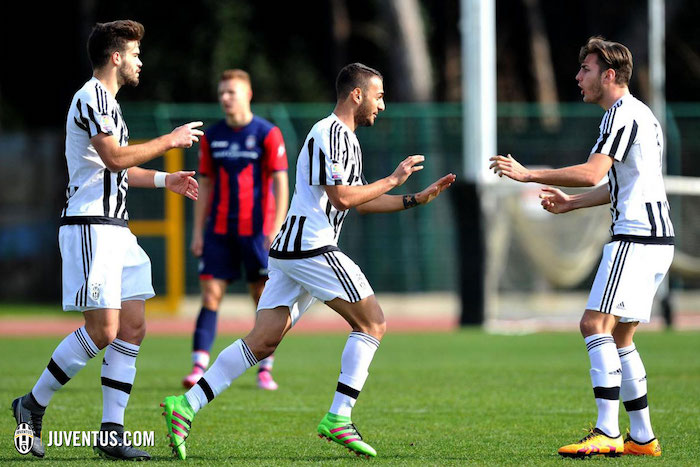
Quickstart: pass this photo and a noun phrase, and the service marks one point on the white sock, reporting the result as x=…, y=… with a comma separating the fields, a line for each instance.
x=606, y=376
x=200, y=360
x=71, y=355
x=354, y=370
x=118, y=373
x=231, y=363
x=634, y=394
x=266, y=364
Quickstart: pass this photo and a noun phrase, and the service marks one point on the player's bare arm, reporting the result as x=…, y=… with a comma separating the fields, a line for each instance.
x=557, y=202
x=392, y=203
x=118, y=158
x=180, y=182
x=588, y=174
x=280, y=188
x=200, y=214
x=344, y=197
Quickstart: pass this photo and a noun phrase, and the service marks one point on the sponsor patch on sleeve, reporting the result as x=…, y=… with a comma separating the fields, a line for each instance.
x=106, y=124
x=337, y=171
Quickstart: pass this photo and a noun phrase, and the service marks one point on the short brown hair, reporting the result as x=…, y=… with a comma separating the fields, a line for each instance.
x=610, y=55
x=355, y=75
x=235, y=74
x=107, y=38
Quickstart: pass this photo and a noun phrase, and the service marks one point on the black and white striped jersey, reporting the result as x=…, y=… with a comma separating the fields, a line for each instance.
x=632, y=136
x=94, y=194
x=331, y=155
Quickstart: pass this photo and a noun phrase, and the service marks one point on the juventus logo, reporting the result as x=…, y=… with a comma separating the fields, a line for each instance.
x=95, y=290
x=24, y=438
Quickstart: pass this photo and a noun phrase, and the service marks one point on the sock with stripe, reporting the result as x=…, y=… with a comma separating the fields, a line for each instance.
x=118, y=373
x=634, y=394
x=606, y=377
x=354, y=370
x=200, y=361
x=266, y=364
x=231, y=363
x=71, y=355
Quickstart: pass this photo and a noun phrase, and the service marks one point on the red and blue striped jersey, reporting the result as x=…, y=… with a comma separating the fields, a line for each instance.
x=241, y=161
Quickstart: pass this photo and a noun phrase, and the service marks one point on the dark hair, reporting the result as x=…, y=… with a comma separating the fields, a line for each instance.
x=355, y=75
x=610, y=55
x=107, y=38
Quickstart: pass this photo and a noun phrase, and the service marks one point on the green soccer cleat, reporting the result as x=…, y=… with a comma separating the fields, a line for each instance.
x=178, y=418
x=341, y=430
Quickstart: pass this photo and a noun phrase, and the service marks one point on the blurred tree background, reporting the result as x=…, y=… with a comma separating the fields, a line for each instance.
x=293, y=50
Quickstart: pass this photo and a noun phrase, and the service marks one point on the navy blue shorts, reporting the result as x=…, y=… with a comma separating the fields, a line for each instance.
x=223, y=256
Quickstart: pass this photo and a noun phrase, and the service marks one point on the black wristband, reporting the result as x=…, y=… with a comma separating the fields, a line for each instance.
x=409, y=201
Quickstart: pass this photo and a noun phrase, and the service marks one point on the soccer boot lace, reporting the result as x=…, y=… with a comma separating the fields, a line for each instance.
x=341, y=430
x=635, y=448
x=593, y=444
x=111, y=446
x=31, y=417
x=178, y=418
x=265, y=381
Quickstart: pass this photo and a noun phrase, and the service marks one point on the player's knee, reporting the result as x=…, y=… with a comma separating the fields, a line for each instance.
x=102, y=335
x=264, y=346
x=211, y=300
x=376, y=330
x=133, y=333
x=623, y=335
x=589, y=326
x=584, y=327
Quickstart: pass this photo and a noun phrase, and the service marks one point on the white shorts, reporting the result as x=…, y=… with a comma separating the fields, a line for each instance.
x=298, y=283
x=102, y=267
x=627, y=279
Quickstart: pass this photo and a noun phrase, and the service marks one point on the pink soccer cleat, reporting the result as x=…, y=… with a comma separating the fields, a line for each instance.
x=265, y=381
x=191, y=379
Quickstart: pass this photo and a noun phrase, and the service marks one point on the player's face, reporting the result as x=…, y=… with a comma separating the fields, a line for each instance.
x=234, y=96
x=130, y=66
x=372, y=103
x=590, y=80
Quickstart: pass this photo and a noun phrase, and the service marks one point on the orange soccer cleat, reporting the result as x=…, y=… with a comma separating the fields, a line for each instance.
x=595, y=443
x=650, y=448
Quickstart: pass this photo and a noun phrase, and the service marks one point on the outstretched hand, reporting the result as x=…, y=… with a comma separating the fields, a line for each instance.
x=434, y=190
x=182, y=183
x=406, y=168
x=186, y=135
x=555, y=201
x=508, y=166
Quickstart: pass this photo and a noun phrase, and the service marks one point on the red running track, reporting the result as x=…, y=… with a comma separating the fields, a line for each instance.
x=54, y=326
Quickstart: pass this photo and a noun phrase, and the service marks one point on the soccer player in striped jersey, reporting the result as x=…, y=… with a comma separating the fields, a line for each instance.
x=244, y=189
x=106, y=274
x=629, y=150
x=306, y=264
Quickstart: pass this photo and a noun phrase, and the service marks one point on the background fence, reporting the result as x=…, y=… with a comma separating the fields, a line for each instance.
x=412, y=251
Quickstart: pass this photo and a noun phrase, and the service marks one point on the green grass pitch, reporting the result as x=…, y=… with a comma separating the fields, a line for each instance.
x=462, y=398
